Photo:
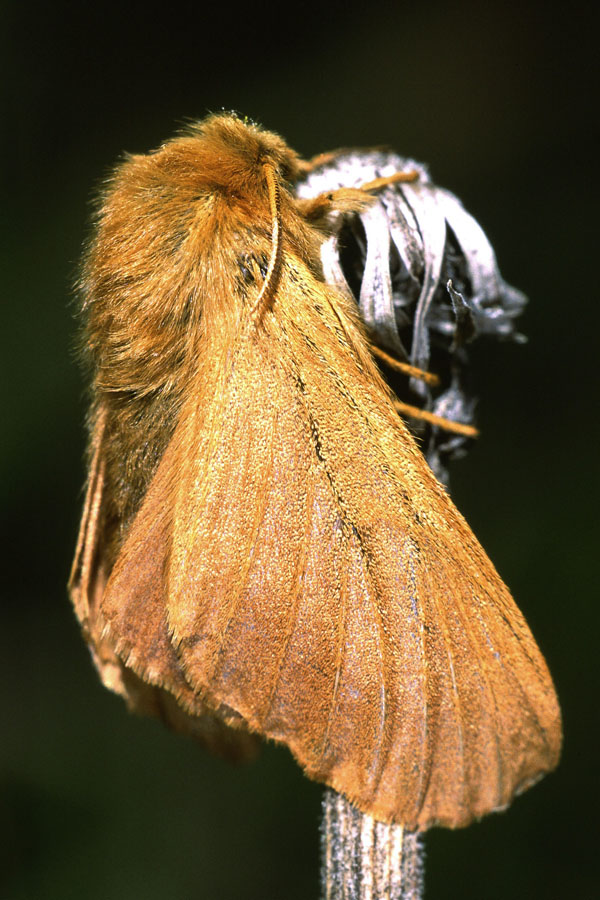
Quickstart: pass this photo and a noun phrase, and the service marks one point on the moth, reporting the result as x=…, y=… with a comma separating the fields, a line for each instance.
x=264, y=550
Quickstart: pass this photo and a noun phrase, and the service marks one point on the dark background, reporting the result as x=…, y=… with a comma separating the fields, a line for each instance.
x=95, y=803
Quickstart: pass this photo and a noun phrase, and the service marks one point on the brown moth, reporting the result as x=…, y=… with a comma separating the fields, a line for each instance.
x=264, y=549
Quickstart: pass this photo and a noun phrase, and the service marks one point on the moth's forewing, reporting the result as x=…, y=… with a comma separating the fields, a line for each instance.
x=318, y=581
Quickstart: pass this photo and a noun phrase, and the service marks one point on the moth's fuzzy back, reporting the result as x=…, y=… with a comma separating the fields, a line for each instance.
x=182, y=238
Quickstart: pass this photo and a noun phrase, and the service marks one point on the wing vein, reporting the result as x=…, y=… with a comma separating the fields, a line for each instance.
x=219, y=653
x=377, y=615
x=425, y=768
x=340, y=654
x=481, y=667
x=292, y=615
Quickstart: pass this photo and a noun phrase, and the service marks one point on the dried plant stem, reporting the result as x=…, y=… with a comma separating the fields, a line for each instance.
x=363, y=859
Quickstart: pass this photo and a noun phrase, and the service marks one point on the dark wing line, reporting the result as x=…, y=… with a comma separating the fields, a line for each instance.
x=512, y=676
x=533, y=660
x=346, y=520
x=333, y=374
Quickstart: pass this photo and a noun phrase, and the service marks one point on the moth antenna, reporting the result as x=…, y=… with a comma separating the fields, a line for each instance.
x=405, y=368
x=269, y=282
x=447, y=424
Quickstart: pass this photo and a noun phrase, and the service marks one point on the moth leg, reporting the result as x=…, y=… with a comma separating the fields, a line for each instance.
x=447, y=424
x=397, y=178
x=405, y=368
x=306, y=166
x=414, y=411
x=347, y=199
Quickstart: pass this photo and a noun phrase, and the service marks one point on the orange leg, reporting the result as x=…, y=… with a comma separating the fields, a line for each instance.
x=405, y=368
x=447, y=424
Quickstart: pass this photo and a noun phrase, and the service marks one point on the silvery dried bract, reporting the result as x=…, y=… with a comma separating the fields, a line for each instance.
x=426, y=280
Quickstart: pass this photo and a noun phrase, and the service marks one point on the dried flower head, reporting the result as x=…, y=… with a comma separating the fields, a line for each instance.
x=426, y=280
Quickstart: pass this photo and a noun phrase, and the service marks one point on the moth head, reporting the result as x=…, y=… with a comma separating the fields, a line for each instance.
x=234, y=151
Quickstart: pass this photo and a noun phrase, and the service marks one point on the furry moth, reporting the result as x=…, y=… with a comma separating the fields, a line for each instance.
x=263, y=549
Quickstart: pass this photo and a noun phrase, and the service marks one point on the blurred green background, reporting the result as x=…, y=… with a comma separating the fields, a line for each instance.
x=98, y=804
